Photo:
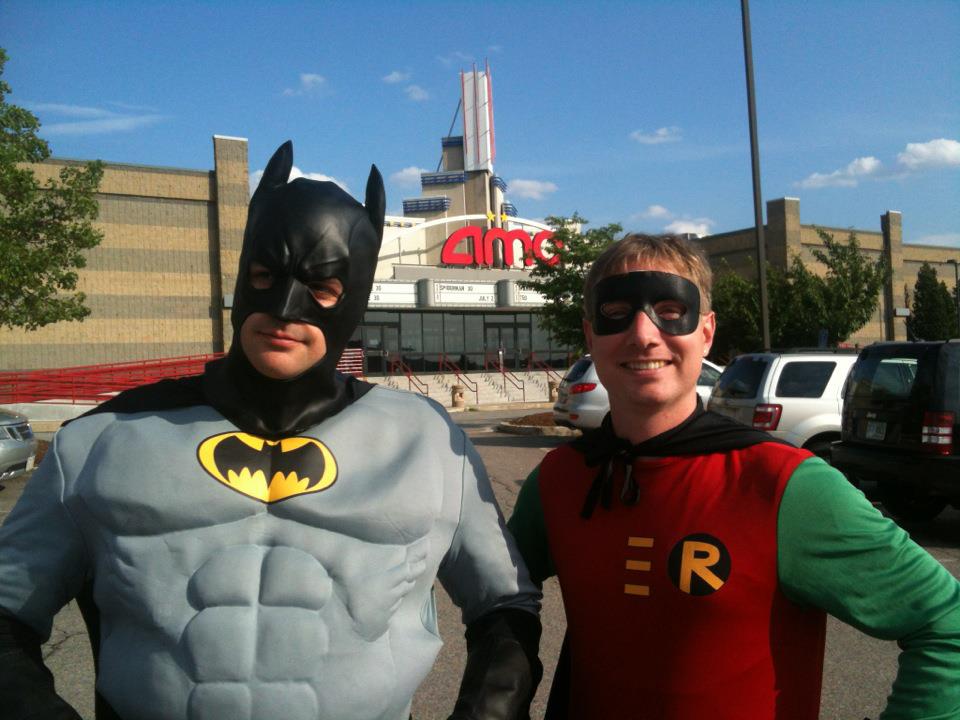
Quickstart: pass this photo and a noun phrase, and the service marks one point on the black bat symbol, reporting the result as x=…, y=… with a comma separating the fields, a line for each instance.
x=306, y=461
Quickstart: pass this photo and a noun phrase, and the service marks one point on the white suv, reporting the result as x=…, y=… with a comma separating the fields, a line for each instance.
x=795, y=396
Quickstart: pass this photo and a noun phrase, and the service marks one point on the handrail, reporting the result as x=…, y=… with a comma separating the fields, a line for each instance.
x=92, y=384
x=446, y=362
x=532, y=361
x=412, y=380
x=507, y=375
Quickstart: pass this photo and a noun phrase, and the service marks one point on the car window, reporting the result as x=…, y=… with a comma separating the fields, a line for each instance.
x=708, y=376
x=804, y=379
x=742, y=378
x=579, y=368
x=893, y=374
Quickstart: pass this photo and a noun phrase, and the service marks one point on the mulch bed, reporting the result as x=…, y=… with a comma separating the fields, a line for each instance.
x=544, y=419
x=42, y=446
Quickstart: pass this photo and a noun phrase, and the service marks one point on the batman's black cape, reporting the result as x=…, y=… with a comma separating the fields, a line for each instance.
x=701, y=433
x=166, y=395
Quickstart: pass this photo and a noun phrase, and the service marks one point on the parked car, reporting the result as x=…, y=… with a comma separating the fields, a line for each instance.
x=901, y=420
x=794, y=396
x=582, y=399
x=18, y=446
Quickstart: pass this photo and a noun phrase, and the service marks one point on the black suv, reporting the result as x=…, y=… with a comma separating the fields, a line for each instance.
x=901, y=426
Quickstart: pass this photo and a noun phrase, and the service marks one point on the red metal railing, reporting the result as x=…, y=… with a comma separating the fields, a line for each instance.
x=534, y=362
x=92, y=384
x=447, y=364
x=396, y=363
x=493, y=361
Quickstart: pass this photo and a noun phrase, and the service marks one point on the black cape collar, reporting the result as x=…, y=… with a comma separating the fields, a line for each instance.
x=264, y=413
x=701, y=433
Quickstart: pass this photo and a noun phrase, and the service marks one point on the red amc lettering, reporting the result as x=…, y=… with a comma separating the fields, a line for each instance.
x=538, y=240
x=483, y=246
x=507, y=240
x=449, y=253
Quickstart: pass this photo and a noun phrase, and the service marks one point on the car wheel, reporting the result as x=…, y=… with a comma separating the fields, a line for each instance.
x=909, y=505
x=820, y=448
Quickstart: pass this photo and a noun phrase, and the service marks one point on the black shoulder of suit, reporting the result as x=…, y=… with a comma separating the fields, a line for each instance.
x=166, y=395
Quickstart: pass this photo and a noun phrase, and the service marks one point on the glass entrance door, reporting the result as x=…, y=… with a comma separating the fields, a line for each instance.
x=500, y=344
x=380, y=344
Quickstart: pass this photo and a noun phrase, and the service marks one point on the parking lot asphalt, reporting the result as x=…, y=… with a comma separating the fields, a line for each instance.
x=858, y=670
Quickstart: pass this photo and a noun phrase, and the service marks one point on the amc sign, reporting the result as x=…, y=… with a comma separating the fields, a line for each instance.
x=482, y=254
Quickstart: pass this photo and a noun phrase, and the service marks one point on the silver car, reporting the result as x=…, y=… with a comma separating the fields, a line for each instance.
x=582, y=399
x=794, y=396
x=18, y=446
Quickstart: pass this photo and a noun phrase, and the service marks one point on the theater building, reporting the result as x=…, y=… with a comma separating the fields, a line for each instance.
x=446, y=289
x=785, y=237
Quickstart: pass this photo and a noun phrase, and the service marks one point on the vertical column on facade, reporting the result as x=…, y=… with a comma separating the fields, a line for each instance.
x=782, y=236
x=232, y=198
x=891, y=224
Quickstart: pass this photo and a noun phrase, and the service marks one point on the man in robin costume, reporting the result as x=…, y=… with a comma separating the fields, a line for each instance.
x=697, y=557
x=261, y=541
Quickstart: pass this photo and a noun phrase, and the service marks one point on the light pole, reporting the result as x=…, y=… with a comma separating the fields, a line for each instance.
x=956, y=289
x=755, y=167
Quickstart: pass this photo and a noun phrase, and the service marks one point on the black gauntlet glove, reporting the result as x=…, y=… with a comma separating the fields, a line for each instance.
x=503, y=670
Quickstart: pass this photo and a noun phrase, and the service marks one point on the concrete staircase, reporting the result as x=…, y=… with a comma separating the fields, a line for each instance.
x=492, y=388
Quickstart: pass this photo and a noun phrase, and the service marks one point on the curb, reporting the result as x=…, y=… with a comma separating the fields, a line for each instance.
x=554, y=431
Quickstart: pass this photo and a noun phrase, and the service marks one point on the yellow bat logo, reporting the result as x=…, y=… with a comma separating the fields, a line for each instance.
x=268, y=470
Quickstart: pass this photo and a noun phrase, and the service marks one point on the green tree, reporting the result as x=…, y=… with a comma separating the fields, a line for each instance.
x=562, y=283
x=801, y=303
x=933, y=315
x=44, y=228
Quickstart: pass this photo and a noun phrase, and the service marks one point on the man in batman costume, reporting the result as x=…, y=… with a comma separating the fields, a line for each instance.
x=261, y=541
x=696, y=556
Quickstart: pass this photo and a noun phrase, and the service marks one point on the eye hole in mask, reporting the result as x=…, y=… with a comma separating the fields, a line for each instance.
x=671, y=302
x=326, y=292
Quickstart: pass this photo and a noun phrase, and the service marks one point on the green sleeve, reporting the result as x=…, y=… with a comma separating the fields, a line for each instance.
x=839, y=553
x=530, y=530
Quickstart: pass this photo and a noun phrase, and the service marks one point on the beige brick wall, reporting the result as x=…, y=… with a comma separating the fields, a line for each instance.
x=785, y=237
x=155, y=284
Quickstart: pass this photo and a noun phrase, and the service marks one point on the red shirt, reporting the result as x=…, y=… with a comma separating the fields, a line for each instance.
x=673, y=604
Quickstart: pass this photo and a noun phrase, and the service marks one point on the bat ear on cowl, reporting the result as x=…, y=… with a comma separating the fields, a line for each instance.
x=376, y=200
x=277, y=172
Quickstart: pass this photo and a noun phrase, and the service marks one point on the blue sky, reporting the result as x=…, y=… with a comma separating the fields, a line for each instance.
x=629, y=112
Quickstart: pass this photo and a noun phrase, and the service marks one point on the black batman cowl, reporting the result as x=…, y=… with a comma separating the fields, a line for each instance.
x=303, y=232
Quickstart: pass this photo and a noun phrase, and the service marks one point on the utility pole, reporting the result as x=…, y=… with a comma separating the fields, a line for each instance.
x=755, y=162
x=956, y=289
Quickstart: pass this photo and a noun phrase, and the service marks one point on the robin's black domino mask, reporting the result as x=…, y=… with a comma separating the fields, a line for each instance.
x=671, y=302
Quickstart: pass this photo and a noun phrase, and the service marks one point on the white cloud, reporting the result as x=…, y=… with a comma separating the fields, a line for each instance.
x=916, y=157
x=416, y=93
x=657, y=137
x=295, y=173
x=848, y=176
x=396, y=77
x=697, y=226
x=943, y=239
x=77, y=111
x=455, y=57
x=309, y=83
x=531, y=189
x=408, y=176
x=86, y=120
x=931, y=154
x=656, y=212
